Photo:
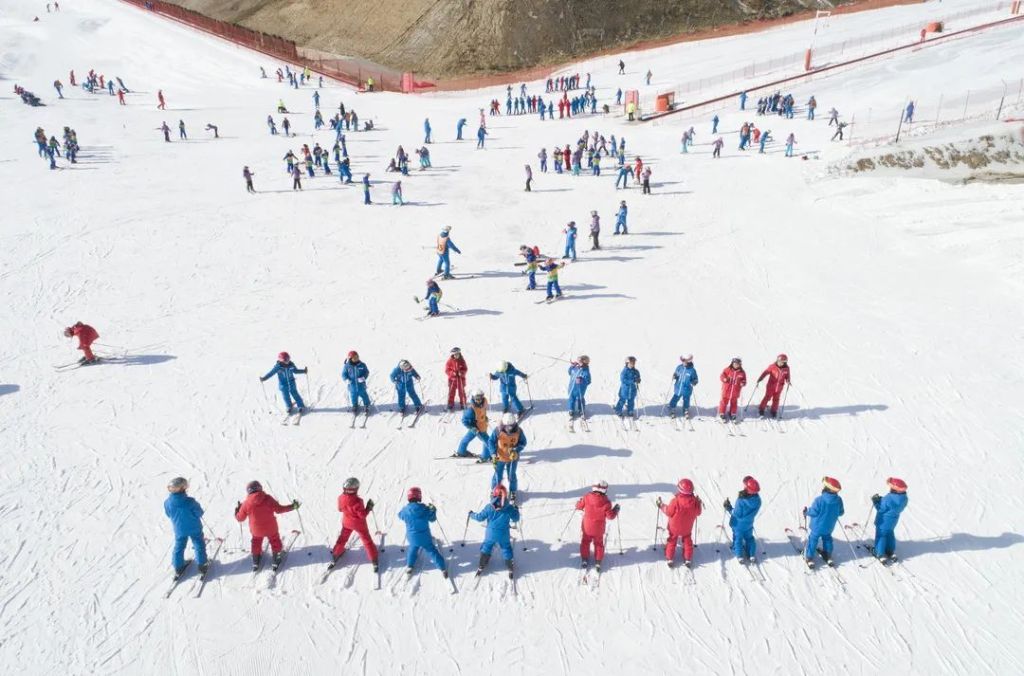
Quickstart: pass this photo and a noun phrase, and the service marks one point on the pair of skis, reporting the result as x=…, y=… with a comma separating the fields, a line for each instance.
x=357, y=414
x=584, y=423
x=204, y=577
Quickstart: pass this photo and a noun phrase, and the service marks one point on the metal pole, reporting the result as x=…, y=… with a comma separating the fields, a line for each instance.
x=566, y=527
x=938, y=111
x=966, y=101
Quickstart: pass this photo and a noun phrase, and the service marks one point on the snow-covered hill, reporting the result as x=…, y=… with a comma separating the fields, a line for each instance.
x=896, y=299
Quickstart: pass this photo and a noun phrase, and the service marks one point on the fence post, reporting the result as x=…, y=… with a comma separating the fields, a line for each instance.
x=938, y=111
x=899, y=128
x=966, y=101
x=853, y=118
x=1000, y=111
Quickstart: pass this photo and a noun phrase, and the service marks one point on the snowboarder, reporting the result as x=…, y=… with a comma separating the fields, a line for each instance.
x=355, y=373
x=682, y=512
x=824, y=512
x=474, y=419
x=417, y=518
x=778, y=378
x=579, y=381
x=285, y=371
x=741, y=519
x=733, y=378
x=620, y=219
x=597, y=510
x=445, y=246
x=405, y=377
x=552, y=268
x=353, y=520
x=629, y=385
x=86, y=337
x=455, y=368
x=506, y=373
x=683, y=381
x=261, y=509
x=500, y=513
x=887, y=515
x=186, y=517
x=504, y=446
x=247, y=175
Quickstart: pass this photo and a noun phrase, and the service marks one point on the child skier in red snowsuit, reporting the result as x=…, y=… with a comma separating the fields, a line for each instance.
x=597, y=510
x=778, y=379
x=455, y=368
x=682, y=512
x=353, y=520
x=733, y=378
x=86, y=336
x=262, y=509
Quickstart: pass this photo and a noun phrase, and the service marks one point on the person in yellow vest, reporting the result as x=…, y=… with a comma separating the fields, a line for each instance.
x=474, y=419
x=503, y=448
x=630, y=110
x=444, y=248
x=369, y=84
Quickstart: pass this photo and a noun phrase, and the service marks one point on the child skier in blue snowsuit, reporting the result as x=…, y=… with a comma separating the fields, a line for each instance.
x=570, y=241
x=579, y=381
x=620, y=218
x=684, y=378
x=285, y=371
x=506, y=373
x=499, y=515
x=433, y=297
x=741, y=518
x=404, y=376
x=629, y=384
x=355, y=373
x=417, y=518
x=186, y=517
x=824, y=512
x=887, y=515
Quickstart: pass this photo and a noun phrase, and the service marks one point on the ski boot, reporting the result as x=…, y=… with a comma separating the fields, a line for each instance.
x=760, y=413
x=403, y=410
x=722, y=417
x=419, y=409
x=825, y=557
x=256, y=562
x=773, y=414
x=484, y=560
x=204, y=568
x=585, y=564
x=334, y=560
x=278, y=558
x=512, y=497
x=671, y=564
x=444, y=573
x=732, y=418
x=744, y=560
x=408, y=571
x=687, y=563
x=597, y=566
x=809, y=563
x=355, y=409
x=672, y=414
x=376, y=565
x=510, y=565
x=179, y=571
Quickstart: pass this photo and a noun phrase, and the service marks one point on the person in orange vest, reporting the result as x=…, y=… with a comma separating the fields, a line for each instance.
x=86, y=336
x=503, y=448
x=474, y=419
x=444, y=248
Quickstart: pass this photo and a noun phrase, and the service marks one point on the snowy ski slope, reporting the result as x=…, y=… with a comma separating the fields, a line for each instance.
x=897, y=300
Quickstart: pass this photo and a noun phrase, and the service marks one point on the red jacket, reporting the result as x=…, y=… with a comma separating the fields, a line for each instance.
x=597, y=509
x=260, y=509
x=353, y=512
x=733, y=381
x=682, y=511
x=777, y=376
x=568, y=158
x=85, y=333
x=456, y=368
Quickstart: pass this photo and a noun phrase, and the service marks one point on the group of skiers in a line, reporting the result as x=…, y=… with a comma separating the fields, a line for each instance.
x=49, y=148
x=260, y=509
x=404, y=377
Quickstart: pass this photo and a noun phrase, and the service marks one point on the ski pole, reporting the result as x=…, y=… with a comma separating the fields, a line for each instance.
x=695, y=406
x=528, y=392
x=299, y=514
x=848, y=541
x=618, y=526
x=721, y=531
x=751, y=398
x=376, y=528
x=867, y=519
x=441, y=528
x=657, y=527
x=523, y=534
x=241, y=536
x=566, y=527
x=548, y=356
x=784, y=395
x=465, y=532
x=207, y=527
x=309, y=396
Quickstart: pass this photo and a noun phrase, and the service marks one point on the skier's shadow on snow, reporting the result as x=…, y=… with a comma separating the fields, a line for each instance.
x=140, y=359
x=475, y=312
x=9, y=389
x=794, y=411
x=575, y=452
x=616, y=492
x=958, y=542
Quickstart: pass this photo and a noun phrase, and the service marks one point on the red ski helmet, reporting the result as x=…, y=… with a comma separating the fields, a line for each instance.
x=253, y=487
x=414, y=494
x=750, y=485
x=284, y=356
x=897, y=485
x=499, y=494
x=782, y=357
x=685, y=486
x=353, y=353
x=68, y=332
x=832, y=485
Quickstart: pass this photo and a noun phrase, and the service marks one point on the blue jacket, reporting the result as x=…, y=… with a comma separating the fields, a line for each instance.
x=621, y=216
x=426, y=125
x=184, y=513
x=685, y=378
x=404, y=380
x=508, y=378
x=461, y=123
x=353, y=372
x=570, y=234
x=579, y=379
x=888, y=511
x=499, y=520
x=481, y=133
x=629, y=379
x=469, y=417
x=825, y=511
x=743, y=513
x=285, y=374
x=417, y=518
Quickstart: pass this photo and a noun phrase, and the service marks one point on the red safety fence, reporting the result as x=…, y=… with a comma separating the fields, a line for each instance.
x=356, y=72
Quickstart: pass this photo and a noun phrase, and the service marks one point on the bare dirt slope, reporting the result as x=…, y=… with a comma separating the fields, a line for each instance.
x=459, y=37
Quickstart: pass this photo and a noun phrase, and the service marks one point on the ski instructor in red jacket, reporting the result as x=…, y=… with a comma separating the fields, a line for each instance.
x=597, y=510
x=778, y=379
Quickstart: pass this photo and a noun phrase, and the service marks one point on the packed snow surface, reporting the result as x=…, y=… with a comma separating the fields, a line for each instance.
x=897, y=300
